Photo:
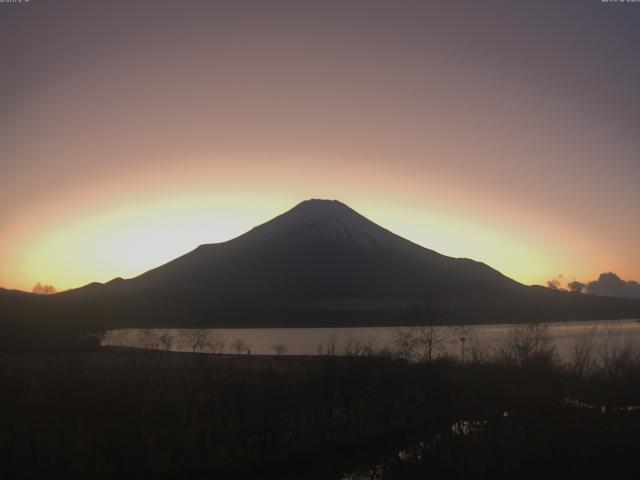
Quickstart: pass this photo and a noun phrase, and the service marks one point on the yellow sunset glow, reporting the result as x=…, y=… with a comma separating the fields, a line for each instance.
x=100, y=242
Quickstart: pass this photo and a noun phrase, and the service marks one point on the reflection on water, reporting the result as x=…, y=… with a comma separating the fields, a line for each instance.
x=479, y=339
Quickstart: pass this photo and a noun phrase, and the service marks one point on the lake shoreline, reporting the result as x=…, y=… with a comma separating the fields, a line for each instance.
x=453, y=340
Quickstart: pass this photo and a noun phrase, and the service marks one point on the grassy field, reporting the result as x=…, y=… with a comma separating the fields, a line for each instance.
x=115, y=413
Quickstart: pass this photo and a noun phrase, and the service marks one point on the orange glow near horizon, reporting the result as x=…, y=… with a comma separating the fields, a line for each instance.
x=91, y=240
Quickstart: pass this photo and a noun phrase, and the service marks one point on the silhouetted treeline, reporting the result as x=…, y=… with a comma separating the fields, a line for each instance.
x=43, y=337
x=120, y=413
x=87, y=308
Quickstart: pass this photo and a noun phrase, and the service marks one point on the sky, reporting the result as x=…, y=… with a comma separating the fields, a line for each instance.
x=133, y=131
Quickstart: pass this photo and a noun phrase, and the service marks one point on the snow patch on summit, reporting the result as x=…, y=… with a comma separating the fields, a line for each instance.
x=327, y=220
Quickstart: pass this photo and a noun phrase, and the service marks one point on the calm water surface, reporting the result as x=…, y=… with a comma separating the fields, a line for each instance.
x=339, y=341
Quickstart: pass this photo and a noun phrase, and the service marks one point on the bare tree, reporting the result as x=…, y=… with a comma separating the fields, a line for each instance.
x=165, y=341
x=619, y=356
x=327, y=348
x=477, y=348
x=239, y=346
x=430, y=337
x=279, y=349
x=424, y=343
x=583, y=354
x=433, y=340
x=355, y=347
x=148, y=339
x=198, y=339
x=218, y=342
x=526, y=343
x=405, y=342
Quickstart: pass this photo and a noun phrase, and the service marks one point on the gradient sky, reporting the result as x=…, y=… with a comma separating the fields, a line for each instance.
x=133, y=131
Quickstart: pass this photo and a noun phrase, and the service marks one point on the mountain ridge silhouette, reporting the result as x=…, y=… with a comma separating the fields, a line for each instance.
x=319, y=249
x=319, y=263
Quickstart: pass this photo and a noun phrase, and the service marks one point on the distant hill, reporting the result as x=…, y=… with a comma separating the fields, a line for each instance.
x=320, y=263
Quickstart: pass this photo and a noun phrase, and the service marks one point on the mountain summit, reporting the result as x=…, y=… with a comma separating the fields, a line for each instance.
x=320, y=263
x=327, y=220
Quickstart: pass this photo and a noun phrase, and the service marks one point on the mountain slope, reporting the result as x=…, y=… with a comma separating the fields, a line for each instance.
x=320, y=250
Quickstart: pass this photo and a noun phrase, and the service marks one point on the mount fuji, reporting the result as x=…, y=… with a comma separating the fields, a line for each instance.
x=322, y=264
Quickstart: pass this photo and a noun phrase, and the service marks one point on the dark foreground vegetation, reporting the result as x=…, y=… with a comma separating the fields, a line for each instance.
x=151, y=414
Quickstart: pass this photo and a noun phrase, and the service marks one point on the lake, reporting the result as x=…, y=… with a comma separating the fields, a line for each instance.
x=455, y=341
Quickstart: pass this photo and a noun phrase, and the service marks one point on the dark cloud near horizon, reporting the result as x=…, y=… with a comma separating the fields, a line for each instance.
x=576, y=286
x=607, y=285
x=555, y=283
x=610, y=284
